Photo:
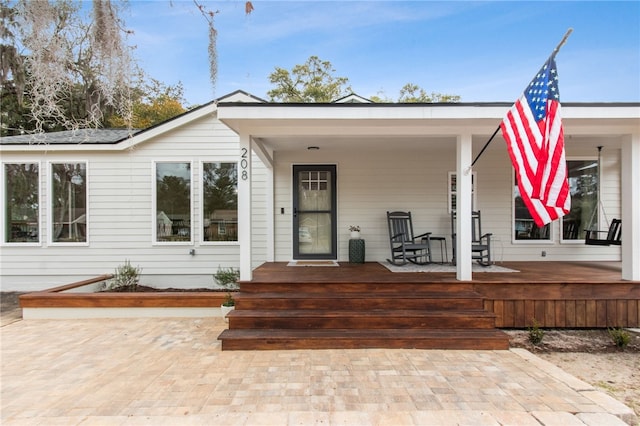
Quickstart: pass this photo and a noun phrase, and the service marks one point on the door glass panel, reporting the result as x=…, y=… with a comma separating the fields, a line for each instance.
x=315, y=233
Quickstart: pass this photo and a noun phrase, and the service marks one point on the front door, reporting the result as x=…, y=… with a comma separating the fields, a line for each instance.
x=314, y=212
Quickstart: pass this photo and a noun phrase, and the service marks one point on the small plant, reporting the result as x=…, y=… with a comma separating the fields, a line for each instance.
x=536, y=334
x=228, y=300
x=126, y=277
x=227, y=278
x=621, y=338
x=354, y=228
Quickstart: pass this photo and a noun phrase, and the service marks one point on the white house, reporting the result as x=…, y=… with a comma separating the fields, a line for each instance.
x=239, y=182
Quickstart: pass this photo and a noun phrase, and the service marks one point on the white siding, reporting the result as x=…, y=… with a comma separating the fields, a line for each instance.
x=120, y=220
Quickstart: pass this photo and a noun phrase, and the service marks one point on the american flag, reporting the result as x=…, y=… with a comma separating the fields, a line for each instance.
x=535, y=140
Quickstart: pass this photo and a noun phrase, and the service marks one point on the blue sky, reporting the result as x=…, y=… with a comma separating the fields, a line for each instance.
x=482, y=51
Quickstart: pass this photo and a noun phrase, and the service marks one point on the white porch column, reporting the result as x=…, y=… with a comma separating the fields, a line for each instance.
x=271, y=255
x=463, y=207
x=244, y=207
x=265, y=154
x=631, y=207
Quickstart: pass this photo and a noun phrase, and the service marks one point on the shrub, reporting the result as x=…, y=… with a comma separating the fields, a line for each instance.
x=227, y=278
x=126, y=277
x=621, y=338
x=536, y=334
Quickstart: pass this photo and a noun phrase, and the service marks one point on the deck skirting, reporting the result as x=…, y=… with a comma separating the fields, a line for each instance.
x=566, y=305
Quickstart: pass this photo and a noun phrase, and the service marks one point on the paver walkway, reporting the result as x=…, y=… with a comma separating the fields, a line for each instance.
x=172, y=372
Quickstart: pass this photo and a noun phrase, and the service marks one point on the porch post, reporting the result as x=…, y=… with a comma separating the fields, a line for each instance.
x=271, y=256
x=244, y=206
x=630, y=176
x=265, y=154
x=463, y=207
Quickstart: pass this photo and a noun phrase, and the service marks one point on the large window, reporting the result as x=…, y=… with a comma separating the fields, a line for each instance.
x=523, y=226
x=583, y=185
x=21, y=203
x=220, y=202
x=173, y=202
x=69, y=202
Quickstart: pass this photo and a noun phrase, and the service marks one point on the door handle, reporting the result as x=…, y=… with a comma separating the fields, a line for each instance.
x=295, y=212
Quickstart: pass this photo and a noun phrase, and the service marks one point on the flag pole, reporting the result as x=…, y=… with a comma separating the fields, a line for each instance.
x=555, y=51
x=486, y=145
x=563, y=41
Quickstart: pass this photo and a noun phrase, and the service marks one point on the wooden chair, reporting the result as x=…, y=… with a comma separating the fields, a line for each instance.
x=406, y=247
x=480, y=243
x=614, y=235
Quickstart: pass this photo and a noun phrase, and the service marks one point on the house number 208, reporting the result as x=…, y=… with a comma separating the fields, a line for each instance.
x=244, y=163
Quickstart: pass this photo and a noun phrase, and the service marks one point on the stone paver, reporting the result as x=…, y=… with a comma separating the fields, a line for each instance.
x=172, y=371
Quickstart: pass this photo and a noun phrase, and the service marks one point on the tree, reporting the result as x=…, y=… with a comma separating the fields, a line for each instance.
x=153, y=103
x=73, y=67
x=412, y=93
x=209, y=16
x=311, y=82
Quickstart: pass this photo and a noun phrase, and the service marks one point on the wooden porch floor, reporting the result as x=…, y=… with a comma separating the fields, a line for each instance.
x=529, y=272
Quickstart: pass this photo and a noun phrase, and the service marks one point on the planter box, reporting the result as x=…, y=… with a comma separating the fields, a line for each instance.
x=81, y=300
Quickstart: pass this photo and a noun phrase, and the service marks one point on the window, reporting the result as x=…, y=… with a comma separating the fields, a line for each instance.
x=453, y=191
x=173, y=202
x=583, y=185
x=523, y=226
x=220, y=202
x=69, y=202
x=21, y=203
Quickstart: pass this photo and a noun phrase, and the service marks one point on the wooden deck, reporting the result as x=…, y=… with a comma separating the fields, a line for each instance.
x=556, y=294
x=366, y=305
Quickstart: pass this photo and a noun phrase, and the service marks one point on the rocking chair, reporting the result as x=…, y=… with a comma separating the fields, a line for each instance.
x=614, y=235
x=480, y=243
x=405, y=247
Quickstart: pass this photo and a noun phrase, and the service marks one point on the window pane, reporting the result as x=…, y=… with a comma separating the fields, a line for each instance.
x=69, y=202
x=21, y=203
x=583, y=185
x=173, y=202
x=524, y=227
x=220, y=211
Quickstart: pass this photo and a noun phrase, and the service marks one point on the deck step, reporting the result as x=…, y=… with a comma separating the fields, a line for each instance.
x=282, y=312
x=491, y=339
x=359, y=319
x=356, y=300
x=340, y=287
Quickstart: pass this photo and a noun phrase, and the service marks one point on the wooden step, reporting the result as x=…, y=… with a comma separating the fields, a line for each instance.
x=359, y=319
x=364, y=313
x=337, y=287
x=491, y=339
x=370, y=300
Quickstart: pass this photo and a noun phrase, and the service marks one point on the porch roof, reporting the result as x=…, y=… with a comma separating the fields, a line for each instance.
x=287, y=126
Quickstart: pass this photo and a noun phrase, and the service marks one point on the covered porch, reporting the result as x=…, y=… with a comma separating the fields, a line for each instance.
x=401, y=157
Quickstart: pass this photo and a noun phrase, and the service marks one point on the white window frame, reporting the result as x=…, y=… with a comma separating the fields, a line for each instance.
x=580, y=241
x=3, y=194
x=201, y=206
x=50, y=205
x=451, y=192
x=154, y=189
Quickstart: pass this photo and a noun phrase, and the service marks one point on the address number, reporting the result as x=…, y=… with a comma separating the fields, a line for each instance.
x=244, y=164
